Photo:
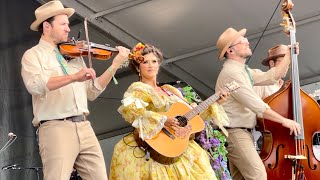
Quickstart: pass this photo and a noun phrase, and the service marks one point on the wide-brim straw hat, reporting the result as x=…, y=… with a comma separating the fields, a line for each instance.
x=226, y=39
x=48, y=10
x=275, y=52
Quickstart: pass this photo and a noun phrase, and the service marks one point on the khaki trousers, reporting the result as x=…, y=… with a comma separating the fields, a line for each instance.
x=244, y=161
x=65, y=145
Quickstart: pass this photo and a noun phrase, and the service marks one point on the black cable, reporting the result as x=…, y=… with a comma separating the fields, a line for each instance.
x=134, y=147
x=264, y=31
x=125, y=141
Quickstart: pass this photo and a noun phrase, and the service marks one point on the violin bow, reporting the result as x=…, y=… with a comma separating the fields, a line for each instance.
x=88, y=42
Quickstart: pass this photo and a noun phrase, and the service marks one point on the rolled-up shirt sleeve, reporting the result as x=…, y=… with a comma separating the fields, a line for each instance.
x=261, y=78
x=31, y=71
x=134, y=109
x=93, y=87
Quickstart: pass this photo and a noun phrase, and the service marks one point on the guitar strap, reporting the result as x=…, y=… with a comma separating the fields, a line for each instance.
x=170, y=93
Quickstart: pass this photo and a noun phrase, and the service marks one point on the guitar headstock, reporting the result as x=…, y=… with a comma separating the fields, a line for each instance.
x=288, y=22
x=232, y=86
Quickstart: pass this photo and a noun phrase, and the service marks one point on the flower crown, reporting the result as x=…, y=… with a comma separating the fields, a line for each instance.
x=136, y=53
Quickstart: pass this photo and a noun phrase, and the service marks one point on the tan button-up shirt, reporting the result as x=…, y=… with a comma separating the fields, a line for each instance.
x=39, y=64
x=265, y=91
x=244, y=105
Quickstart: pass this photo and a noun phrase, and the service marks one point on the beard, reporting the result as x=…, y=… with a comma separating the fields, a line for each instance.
x=59, y=38
x=63, y=38
x=244, y=55
x=247, y=53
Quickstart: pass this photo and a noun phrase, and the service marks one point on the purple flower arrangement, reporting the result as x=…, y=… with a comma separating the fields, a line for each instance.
x=210, y=139
x=214, y=141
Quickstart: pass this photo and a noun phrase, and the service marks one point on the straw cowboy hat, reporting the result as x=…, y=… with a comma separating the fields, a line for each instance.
x=48, y=10
x=227, y=38
x=275, y=52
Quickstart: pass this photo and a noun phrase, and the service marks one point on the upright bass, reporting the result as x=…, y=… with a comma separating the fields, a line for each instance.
x=287, y=156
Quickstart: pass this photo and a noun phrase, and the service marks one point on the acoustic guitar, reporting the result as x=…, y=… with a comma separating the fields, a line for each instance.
x=172, y=143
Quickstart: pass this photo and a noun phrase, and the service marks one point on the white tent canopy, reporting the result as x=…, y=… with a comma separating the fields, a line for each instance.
x=186, y=31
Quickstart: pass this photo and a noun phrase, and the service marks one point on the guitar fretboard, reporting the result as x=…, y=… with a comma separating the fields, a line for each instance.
x=202, y=106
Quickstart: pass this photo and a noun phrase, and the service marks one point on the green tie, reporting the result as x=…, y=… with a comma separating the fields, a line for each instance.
x=249, y=74
x=61, y=61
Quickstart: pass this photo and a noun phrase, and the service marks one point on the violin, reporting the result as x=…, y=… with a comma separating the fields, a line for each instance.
x=75, y=49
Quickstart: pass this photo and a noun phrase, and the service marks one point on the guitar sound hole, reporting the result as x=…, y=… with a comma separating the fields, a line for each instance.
x=182, y=121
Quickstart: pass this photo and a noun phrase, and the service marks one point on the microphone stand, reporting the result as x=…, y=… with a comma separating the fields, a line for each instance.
x=12, y=138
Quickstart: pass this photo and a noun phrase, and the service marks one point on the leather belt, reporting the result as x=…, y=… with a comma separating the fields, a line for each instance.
x=71, y=118
x=248, y=129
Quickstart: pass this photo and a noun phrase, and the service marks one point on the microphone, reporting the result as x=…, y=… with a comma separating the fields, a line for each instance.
x=11, y=135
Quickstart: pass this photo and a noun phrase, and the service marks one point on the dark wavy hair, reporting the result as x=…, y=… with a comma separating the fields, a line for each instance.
x=134, y=65
x=49, y=20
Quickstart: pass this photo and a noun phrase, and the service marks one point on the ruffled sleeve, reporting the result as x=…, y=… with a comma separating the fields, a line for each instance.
x=139, y=108
x=216, y=112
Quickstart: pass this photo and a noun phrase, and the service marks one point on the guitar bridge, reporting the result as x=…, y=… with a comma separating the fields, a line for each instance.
x=168, y=133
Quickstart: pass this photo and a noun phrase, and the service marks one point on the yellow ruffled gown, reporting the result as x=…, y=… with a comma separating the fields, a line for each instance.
x=139, y=107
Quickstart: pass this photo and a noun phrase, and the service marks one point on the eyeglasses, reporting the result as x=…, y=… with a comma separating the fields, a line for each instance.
x=243, y=41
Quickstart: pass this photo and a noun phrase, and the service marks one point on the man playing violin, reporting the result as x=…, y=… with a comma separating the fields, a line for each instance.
x=60, y=90
x=244, y=105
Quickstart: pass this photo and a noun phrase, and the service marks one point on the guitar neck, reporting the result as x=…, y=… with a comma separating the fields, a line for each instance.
x=296, y=96
x=202, y=106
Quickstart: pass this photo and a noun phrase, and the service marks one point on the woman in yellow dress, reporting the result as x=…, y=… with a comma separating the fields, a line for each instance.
x=140, y=106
